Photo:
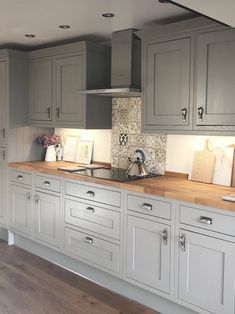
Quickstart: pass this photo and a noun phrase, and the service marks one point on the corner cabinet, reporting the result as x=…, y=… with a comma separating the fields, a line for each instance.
x=57, y=77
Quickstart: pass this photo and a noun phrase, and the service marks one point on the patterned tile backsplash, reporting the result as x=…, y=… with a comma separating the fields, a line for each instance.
x=127, y=137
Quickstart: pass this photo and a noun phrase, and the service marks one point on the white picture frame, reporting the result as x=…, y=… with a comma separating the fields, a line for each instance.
x=84, y=152
x=70, y=147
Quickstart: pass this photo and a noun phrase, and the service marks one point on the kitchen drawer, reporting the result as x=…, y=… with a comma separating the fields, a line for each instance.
x=150, y=206
x=93, y=218
x=207, y=220
x=105, y=196
x=48, y=183
x=97, y=251
x=20, y=177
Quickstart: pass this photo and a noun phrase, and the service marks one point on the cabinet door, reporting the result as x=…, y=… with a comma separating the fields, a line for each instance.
x=70, y=78
x=207, y=273
x=3, y=187
x=3, y=101
x=47, y=218
x=148, y=254
x=40, y=89
x=20, y=211
x=166, y=99
x=215, y=91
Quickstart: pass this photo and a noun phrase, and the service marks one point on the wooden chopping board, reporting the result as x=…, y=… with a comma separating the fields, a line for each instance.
x=223, y=165
x=233, y=169
x=203, y=165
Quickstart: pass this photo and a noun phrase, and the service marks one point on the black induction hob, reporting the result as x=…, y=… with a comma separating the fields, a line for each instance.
x=114, y=174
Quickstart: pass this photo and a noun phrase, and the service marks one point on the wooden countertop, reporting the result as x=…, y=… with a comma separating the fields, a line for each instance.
x=170, y=187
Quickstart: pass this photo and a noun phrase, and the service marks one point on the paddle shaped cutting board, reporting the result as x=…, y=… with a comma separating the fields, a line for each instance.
x=203, y=165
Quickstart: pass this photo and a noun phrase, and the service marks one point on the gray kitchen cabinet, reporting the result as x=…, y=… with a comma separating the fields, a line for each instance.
x=40, y=89
x=215, y=72
x=47, y=218
x=206, y=272
x=20, y=209
x=167, y=83
x=66, y=71
x=148, y=253
x=3, y=101
x=3, y=186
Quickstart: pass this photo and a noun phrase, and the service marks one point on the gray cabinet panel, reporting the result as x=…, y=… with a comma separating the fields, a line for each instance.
x=3, y=186
x=215, y=91
x=148, y=257
x=3, y=101
x=20, y=209
x=206, y=273
x=40, y=87
x=166, y=96
x=47, y=218
x=69, y=81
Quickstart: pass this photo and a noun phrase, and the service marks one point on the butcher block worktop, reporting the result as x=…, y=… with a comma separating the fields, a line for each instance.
x=167, y=186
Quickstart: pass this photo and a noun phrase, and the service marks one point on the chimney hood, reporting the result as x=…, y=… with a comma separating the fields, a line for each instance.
x=125, y=67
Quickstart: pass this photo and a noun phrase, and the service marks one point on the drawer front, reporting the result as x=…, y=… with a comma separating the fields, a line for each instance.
x=93, y=218
x=21, y=177
x=48, y=183
x=207, y=220
x=97, y=251
x=150, y=206
x=105, y=196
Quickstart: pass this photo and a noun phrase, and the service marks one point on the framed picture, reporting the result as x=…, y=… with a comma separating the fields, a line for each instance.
x=84, y=152
x=70, y=147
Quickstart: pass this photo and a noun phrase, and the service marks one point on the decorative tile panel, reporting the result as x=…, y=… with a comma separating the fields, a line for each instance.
x=127, y=137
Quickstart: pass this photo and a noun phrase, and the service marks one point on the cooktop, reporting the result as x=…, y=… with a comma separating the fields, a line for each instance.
x=115, y=174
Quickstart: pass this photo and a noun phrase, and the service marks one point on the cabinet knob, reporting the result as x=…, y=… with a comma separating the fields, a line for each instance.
x=182, y=241
x=57, y=112
x=164, y=236
x=47, y=183
x=90, y=193
x=147, y=206
x=3, y=132
x=36, y=198
x=184, y=113
x=20, y=177
x=90, y=210
x=200, y=112
x=206, y=220
x=28, y=195
x=89, y=240
x=49, y=112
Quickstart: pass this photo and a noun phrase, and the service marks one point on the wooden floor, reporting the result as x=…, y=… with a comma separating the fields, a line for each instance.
x=31, y=285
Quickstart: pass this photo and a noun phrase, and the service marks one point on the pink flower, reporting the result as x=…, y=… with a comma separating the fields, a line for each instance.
x=48, y=140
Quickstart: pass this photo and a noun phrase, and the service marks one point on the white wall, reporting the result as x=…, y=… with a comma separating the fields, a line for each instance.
x=180, y=149
x=100, y=138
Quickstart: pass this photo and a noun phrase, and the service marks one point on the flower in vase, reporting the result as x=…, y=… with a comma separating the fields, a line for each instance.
x=48, y=140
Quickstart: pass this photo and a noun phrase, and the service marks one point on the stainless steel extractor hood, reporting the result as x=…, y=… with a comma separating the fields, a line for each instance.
x=125, y=67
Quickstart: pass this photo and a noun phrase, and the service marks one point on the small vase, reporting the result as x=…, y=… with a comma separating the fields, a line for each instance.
x=50, y=153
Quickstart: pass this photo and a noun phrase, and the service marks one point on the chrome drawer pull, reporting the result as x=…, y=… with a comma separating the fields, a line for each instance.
x=147, y=206
x=90, y=193
x=182, y=241
x=28, y=196
x=90, y=210
x=206, y=220
x=184, y=113
x=89, y=240
x=47, y=183
x=164, y=236
x=20, y=177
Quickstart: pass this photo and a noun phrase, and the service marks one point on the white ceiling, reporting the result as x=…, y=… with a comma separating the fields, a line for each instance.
x=42, y=17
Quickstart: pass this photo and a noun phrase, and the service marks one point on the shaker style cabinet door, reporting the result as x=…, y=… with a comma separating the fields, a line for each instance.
x=206, y=272
x=215, y=92
x=166, y=94
x=148, y=253
x=40, y=87
x=3, y=186
x=69, y=104
x=20, y=211
x=3, y=101
x=47, y=218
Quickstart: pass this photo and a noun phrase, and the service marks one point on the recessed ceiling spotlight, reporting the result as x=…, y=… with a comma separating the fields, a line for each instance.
x=106, y=14
x=64, y=26
x=30, y=35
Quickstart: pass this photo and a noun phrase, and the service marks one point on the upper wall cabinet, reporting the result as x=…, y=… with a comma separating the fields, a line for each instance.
x=188, y=78
x=57, y=77
x=215, y=70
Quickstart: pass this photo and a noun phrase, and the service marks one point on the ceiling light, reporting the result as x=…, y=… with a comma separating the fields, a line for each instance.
x=106, y=14
x=30, y=35
x=64, y=26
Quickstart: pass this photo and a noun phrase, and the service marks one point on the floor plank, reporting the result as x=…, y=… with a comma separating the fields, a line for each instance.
x=31, y=285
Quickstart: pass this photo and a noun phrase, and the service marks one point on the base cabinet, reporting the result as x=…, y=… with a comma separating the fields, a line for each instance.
x=206, y=272
x=148, y=253
x=3, y=187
